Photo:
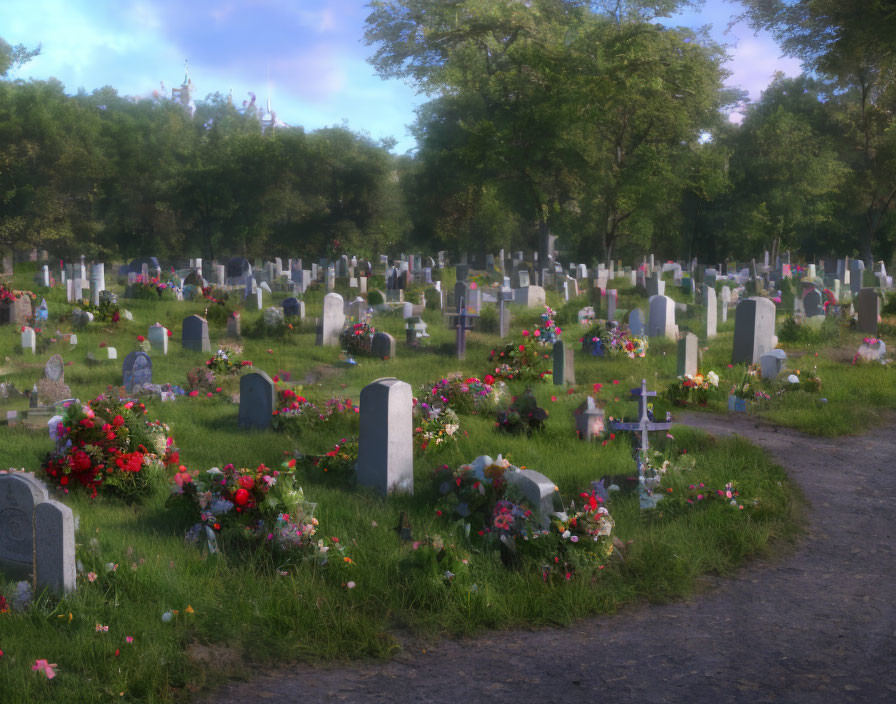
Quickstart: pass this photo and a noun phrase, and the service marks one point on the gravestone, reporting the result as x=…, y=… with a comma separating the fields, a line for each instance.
x=772, y=363
x=726, y=299
x=332, y=321
x=564, y=364
x=52, y=387
x=540, y=492
x=530, y=297
x=589, y=420
x=293, y=307
x=636, y=323
x=158, y=337
x=385, y=443
x=256, y=401
x=754, y=330
x=687, y=355
x=812, y=302
x=655, y=286
x=29, y=340
x=194, y=334
x=233, y=325
x=54, y=370
x=382, y=346
x=37, y=536
x=709, y=300
x=661, y=318
x=136, y=371
x=612, y=299
x=868, y=310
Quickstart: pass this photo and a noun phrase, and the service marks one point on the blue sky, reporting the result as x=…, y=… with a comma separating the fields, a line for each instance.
x=311, y=49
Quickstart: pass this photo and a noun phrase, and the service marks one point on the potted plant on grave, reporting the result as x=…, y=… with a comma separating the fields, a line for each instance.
x=357, y=338
x=261, y=507
x=523, y=415
x=696, y=389
x=521, y=361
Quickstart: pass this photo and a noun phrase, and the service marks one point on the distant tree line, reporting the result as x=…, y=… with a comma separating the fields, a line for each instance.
x=589, y=120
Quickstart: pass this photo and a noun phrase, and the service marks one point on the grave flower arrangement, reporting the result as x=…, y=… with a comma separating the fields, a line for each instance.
x=357, y=338
x=697, y=389
x=461, y=394
x=9, y=296
x=548, y=331
x=261, y=505
x=435, y=428
x=521, y=361
x=294, y=413
x=108, y=310
x=107, y=445
x=607, y=340
x=149, y=287
x=225, y=362
x=338, y=463
x=523, y=415
x=494, y=510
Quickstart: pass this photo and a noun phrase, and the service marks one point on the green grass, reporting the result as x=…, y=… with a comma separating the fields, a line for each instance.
x=247, y=612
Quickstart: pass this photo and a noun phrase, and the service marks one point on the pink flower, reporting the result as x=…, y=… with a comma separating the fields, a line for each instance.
x=525, y=333
x=194, y=393
x=91, y=576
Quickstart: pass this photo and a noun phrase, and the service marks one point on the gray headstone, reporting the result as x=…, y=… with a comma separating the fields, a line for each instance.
x=36, y=543
x=754, y=330
x=867, y=310
x=256, y=401
x=772, y=363
x=136, y=371
x=385, y=444
x=709, y=300
x=661, y=319
x=687, y=355
x=333, y=320
x=564, y=364
x=539, y=491
x=382, y=346
x=636, y=322
x=54, y=370
x=194, y=334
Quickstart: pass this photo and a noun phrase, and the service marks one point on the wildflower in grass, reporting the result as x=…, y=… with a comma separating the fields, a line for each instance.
x=129, y=639
x=91, y=576
x=350, y=585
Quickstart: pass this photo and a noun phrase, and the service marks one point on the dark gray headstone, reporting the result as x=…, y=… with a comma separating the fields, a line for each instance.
x=136, y=371
x=867, y=310
x=564, y=364
x=290, y=306
x=256, y=401
x=382, y=346
x=194, y=335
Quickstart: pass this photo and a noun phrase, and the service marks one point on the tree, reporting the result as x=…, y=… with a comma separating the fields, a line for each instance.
x=854, y=43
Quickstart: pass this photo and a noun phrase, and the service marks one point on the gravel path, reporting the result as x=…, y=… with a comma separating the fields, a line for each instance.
x=816, y=626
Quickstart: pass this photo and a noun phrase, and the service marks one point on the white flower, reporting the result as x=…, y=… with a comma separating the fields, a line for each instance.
x=565, y=535
x=713, y=378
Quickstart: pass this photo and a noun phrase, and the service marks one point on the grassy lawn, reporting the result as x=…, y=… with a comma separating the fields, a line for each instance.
x=240, y=607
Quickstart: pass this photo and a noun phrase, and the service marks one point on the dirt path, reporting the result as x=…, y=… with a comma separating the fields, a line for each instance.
x=817, y=626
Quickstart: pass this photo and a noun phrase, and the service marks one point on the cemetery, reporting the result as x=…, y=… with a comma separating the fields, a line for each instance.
x=201, y=466
x=520, y=415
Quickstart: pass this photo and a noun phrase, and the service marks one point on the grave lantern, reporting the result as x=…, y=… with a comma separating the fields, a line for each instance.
x=589, y=420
